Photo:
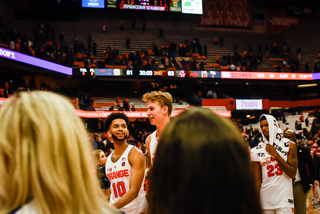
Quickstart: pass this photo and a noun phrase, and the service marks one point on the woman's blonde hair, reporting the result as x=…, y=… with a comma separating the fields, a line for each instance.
x=45, y=157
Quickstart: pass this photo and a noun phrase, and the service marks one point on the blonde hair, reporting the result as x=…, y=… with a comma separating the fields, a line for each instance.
x=45, y=157
x=163, y=98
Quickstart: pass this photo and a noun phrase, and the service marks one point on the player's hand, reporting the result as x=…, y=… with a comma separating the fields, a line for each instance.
x=271, y=150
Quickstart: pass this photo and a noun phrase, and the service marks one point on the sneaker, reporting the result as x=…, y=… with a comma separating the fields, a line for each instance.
x=316, y=205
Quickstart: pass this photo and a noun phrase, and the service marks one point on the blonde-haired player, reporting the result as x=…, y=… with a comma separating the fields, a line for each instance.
x=45, y=158
x=159, y=106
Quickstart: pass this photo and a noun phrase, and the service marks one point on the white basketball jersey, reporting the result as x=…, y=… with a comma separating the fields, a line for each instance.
x=119, y=173
x=153, y=145
x=276, y=187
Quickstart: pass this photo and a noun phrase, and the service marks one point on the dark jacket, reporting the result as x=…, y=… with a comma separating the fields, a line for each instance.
x=105, y=184
x=304, y=158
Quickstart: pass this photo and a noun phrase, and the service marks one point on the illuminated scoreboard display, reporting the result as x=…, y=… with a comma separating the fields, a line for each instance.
x=184, y=74
x=115, y=72
x=154, y=5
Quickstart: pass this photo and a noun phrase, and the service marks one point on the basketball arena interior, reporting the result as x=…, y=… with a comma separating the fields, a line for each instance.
x=239, y=58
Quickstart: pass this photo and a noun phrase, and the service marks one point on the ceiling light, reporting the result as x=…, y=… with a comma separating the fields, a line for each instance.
x=307, y=85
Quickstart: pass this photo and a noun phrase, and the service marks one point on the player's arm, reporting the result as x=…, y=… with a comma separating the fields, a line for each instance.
x=257, y=175
x=289, y=167
x=137, y=162
x=148, y=140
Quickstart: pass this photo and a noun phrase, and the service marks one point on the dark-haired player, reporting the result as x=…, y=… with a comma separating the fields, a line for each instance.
x=275, y=159
x=125, y=168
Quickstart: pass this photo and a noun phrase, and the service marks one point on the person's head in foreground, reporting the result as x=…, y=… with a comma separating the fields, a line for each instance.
x=202, y=165
x=45, y=158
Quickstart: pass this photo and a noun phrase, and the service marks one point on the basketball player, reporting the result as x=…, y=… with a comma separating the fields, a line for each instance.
x=159, y=106
x=276, y=160
x=125, y=168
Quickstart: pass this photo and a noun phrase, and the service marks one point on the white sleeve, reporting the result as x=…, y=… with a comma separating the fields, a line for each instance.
x=253, y=155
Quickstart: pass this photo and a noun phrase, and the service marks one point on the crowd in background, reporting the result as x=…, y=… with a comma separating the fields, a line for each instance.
x=50, y=45
x=45, y=44
x=307, y=136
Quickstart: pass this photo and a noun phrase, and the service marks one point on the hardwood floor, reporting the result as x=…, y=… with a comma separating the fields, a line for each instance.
x=310, y=209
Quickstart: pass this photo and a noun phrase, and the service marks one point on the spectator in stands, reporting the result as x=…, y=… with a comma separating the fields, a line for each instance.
x=128, y=42
x=201, y=65
x=126, y=105
x=301, y=118
x=214, y=95
x=12, y=45
x=104, y=142
x=307, y=67
x=121, y=25
x=81, y=48
x=254, y=141
x=299, y=52
x=104, y=30
x=89, y=37
x=184, y=64
x=118, y=102
x=94, y=48
x=133, y=108
x=95, y=141
x=216, y=40
x=205, y=50
x=218, y=59
x=61, y=37
x=235, y=47
x=307, y=121
x=30, y=182
x=304, y=141
x=210, y=93
x=100, y=159
x=197, y=140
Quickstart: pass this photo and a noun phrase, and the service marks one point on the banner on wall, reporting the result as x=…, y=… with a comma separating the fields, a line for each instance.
x=266, y=75
x=175, y=6
x=134, y=114
x=227, y=13
x=192, y=6
x=248, y=104
x=93, y=3
x=130, y=114
x=19, y=57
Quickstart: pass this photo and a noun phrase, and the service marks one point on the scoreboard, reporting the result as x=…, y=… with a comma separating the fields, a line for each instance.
x=115, y=72
x=187, y=74
x=155, y=5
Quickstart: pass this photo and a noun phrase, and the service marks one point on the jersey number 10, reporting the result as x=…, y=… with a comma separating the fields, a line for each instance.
x=119, y=189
